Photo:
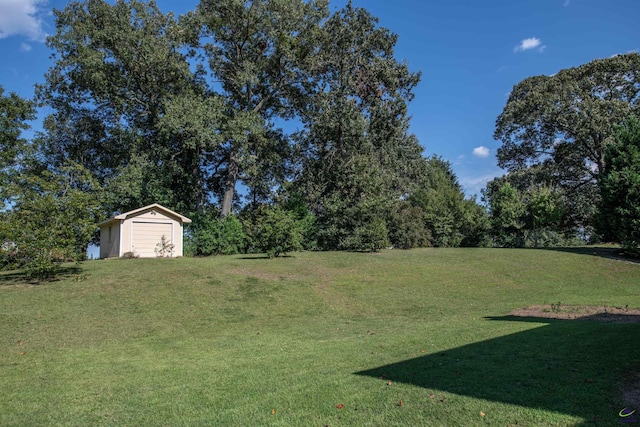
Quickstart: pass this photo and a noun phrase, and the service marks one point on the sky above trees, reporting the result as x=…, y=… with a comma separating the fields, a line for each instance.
x=470, y=57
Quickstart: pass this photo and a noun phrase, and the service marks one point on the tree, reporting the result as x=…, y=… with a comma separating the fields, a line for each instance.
x=560, y=125
x=357, y=155
x=120, y=89
x=620, y=186
x=211, y=235
x=274, y=231
x=451, y=219
x=256, y=54
x=53, y=217
x=14, y=114
x=507, y=210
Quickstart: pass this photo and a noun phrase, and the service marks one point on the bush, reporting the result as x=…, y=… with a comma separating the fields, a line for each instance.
x=276, y=231
x=408, y=229
x=215, y=236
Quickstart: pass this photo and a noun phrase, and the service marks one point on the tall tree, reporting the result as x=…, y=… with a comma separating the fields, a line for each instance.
x=48, y=214
x=358, y=154
x=619, y=216
x=558, y=126
x=119, y=70
x=452, y=219
x=15, y=112
x=256, y=54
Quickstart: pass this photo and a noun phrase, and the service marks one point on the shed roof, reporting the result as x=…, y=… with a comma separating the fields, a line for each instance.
x=156, y=206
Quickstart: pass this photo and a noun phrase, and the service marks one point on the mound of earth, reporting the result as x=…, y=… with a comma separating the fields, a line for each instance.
x=597, y=313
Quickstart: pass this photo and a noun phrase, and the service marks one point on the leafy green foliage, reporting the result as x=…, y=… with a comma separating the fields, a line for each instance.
x=556, y=128
x=535, y=216
x=118, y=91
x=451, y=219
x=257, y=51
x=52, y=220
x=50, y=213
x=407, y=227
x=358, y=157
x=211, y=235
x=507, y=210
x=14, y=114
x=620, y=186
x=274, y=231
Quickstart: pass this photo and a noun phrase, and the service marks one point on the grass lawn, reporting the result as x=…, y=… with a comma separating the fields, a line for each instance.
x=420, y=337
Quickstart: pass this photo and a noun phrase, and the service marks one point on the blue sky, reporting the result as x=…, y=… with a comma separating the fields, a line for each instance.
x=471, y=53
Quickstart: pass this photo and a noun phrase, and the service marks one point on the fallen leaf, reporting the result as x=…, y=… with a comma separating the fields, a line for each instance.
x=390, y=383
x=339, y=406
x=20, y=343
x=400, y=403
x=273, y=412
x=423, y=351
x=22, y=353
x=432, y=396
x=481, y=414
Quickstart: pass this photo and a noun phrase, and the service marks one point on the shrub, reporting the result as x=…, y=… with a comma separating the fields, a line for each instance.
x=215, y=236
x=276, y=231
x=164, y=248
x=407, y=228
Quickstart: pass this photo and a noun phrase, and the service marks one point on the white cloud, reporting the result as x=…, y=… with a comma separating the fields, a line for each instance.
x=22, y=17
x=530, y=43
x=25, y=47
x=481, y=152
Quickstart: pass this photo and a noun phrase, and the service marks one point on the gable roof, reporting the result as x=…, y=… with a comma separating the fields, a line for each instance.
x=156, y=206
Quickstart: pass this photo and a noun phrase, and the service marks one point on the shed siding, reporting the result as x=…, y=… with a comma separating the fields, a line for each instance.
x=110, y=240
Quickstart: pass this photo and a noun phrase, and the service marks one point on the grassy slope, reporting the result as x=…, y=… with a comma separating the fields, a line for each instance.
x=229, y=340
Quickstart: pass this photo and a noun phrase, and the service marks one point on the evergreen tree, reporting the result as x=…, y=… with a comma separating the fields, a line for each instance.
x=620, y=185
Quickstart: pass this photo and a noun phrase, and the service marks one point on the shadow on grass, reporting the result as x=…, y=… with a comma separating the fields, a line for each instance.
x=16, y=277
x=572, y=367
x=597, y=251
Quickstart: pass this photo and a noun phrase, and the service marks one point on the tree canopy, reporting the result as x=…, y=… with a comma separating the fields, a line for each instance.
x=555, y=131
x=304, y=108
x=619, y=216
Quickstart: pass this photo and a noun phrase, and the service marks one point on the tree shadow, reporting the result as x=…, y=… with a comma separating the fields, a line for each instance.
x=597, y=251
x=566, y=366
x=17, y=278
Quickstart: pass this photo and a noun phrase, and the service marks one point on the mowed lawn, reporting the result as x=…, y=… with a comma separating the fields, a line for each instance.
x=420, y=337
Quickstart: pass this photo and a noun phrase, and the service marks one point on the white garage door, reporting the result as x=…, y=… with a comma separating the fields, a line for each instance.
x=145, y=236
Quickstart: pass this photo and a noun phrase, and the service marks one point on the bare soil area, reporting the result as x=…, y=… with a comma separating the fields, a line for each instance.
x=596, y=313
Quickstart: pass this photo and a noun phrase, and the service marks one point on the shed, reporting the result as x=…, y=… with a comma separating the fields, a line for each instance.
x=140, y=232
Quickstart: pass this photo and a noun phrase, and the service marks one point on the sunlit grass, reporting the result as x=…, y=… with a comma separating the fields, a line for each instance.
x=252, y=341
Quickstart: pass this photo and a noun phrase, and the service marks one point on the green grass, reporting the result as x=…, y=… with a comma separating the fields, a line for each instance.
x=230, y=340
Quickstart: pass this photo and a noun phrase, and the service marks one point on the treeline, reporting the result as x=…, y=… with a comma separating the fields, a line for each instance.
x=305, y=111
x=570, y=145
x=436, y=213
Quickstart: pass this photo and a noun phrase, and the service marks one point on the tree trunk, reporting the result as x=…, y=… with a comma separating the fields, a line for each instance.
x=230, y=185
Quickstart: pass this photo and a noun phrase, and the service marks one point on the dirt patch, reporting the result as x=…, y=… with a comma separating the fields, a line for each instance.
x=596, y=313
